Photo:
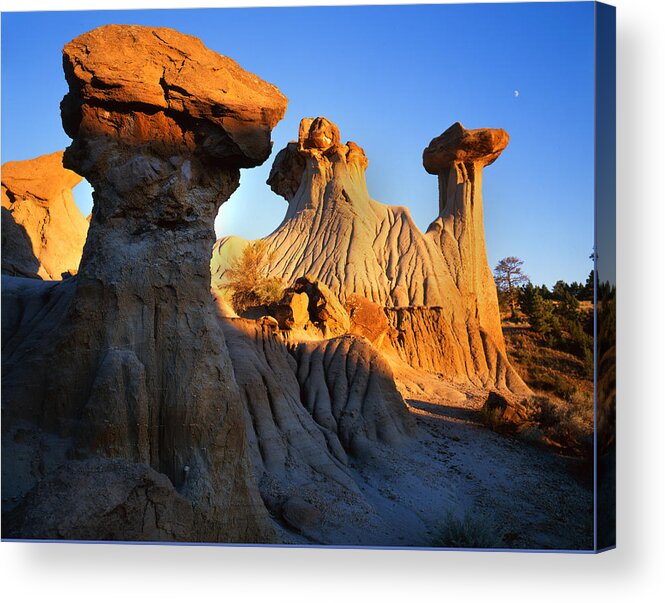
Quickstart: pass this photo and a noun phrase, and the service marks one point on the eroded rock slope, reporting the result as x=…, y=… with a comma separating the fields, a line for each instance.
x=314, y=411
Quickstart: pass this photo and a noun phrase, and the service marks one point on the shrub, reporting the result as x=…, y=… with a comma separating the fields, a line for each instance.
x=563, y=388
x=567, y=422
x=587, y=359
x=491, y=417
x=247, y=280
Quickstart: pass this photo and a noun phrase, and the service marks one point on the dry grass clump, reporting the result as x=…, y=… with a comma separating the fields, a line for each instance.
x=247, y=279
x=561, y=412
x=467, y=532
x=567, y=424
x=563, y=423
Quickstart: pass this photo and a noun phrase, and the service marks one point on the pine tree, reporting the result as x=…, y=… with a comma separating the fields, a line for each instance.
x=509, y=277
x=568, y=308
x=540, y=312
x=587, y=291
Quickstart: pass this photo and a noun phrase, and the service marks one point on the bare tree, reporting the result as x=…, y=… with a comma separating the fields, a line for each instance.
x=509, y=277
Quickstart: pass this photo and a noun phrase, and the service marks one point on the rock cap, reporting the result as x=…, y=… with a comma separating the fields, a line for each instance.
x=156, y=85
x=319, y=133
x=319, y=139
x=483, y=146
x=43, y=177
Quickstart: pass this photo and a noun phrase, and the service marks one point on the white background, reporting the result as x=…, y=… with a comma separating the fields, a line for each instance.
x=633, y=572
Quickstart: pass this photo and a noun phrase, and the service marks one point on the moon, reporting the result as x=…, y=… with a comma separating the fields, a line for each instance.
x=516, y=93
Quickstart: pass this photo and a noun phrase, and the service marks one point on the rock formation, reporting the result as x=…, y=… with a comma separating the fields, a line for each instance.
x=437, y=284
x=348, y=388
x=292, y=311
x=335, y=233
x=324, y=309
x=43, y=231
x=368, y=319
x=127, y=360
x=101, y=498
x=313, y=408
x=458, y=157
x=175, y=92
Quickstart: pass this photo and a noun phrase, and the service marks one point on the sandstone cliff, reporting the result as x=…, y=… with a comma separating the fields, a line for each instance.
x=440, y=280
x=43, y=231
x=127, y=360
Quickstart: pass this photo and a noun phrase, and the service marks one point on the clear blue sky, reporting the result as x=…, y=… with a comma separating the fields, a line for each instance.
x=392, y=78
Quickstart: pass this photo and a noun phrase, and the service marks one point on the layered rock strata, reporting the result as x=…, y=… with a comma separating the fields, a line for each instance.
x=128, y=359
x=43, y=231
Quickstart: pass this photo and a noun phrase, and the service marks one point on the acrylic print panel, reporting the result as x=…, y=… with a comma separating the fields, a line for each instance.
x=256, y=295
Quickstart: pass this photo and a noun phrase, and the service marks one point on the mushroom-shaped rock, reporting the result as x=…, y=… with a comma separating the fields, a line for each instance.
x=132, y=362
x=458, y=157
x=481, y=146
x=158, y=86
x=43, y=231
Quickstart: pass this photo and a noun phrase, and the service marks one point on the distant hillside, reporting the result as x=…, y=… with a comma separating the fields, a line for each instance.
x=545, y=369
x=562, y=407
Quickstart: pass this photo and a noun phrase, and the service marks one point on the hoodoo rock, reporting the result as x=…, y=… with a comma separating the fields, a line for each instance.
x=459, y=145
x=334, y=233
x=458, y=157
x=128, y=359
x=43, y=231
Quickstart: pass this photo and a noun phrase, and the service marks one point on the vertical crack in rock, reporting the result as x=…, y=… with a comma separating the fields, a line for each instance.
x=132, y=362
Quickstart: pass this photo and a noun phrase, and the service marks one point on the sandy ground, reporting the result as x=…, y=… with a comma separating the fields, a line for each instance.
x=515, y=494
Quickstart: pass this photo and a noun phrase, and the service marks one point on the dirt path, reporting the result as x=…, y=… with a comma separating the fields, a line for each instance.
x=513, y=494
